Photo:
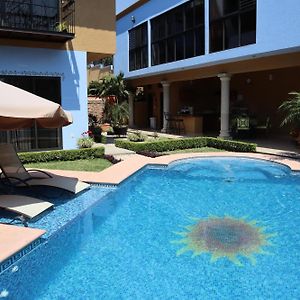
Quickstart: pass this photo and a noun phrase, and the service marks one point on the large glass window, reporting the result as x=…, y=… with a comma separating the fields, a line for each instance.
x=178, y=33
x=138, y=47
x=35, y=138
x=232, y=24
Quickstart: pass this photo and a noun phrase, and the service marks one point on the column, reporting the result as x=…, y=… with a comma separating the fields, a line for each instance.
x=131, y=109
x=166, y=102
x=225, y=98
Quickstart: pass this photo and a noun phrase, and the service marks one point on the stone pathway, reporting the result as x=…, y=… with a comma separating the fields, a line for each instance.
x=118, y=153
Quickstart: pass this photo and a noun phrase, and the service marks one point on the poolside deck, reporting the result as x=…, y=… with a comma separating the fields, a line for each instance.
x=121, y=171
x=15, y=238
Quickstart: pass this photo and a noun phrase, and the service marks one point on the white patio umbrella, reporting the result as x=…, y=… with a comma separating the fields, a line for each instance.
x=21, y=109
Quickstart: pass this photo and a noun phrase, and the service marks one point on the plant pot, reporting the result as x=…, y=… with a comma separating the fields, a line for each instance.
x=105, y=127
x=120, y=130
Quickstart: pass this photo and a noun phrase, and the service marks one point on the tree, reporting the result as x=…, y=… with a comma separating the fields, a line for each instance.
x=291, y=108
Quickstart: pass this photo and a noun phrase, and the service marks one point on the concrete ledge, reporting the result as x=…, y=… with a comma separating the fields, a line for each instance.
x=119, y=172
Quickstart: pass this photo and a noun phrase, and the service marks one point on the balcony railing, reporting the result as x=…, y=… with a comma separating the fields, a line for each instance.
x=38, y=19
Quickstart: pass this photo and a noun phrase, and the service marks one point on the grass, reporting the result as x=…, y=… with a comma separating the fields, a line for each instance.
x=194, y=150
x=91, y=165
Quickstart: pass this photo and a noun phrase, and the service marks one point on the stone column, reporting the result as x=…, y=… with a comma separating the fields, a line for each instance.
x=131, y=109
x=166, y=102
x=225, y=98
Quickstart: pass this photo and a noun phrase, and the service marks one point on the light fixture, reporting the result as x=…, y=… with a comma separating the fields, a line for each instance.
x=133, y=19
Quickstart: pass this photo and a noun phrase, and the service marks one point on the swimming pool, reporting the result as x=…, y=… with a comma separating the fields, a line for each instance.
x=199, y=229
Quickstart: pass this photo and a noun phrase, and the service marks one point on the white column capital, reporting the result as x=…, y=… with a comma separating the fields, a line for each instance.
x=165, y=83
x=224, y=76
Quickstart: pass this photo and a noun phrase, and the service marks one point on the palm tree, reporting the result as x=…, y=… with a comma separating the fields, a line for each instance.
x=292, y=109
x=113, y=86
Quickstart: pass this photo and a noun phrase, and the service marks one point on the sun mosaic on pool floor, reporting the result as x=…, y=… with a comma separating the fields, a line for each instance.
x=224, y=237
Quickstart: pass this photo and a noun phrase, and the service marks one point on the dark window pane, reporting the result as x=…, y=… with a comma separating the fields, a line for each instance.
x=179, y=47
x=176, y=31
x=231, y=32
x=178, y=21
x=154, y=30
x=215, y=9
x=216, y=36
x=199, y=44
x=170, y=23
x=230, y=6
x=162, y=52
x=171, y=49
x=189, y=15
x=199, y=12
x=131, y=60
x=162, y=28
x=138, y=60
x=232, y=23
x=138, y=41
x=189, y=44
x=248, y=28
x=155, y=54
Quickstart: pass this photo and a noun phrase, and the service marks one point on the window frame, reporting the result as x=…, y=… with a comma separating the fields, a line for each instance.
x=171, y=36
x=139, y=49
x=228, y=16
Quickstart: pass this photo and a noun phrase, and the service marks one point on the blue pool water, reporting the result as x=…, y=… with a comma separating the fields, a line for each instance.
x=123, y=246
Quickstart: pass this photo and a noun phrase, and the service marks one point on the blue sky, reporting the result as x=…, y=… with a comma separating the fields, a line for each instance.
x=122, y=4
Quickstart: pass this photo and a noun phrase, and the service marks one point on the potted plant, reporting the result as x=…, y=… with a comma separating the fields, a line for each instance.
x=291, y=108
x=120, y=117
x=62, y=27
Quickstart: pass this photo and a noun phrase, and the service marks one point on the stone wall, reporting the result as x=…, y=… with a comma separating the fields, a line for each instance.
x=95, y=107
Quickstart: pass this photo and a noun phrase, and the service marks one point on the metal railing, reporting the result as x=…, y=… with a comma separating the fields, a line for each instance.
x=38, y=15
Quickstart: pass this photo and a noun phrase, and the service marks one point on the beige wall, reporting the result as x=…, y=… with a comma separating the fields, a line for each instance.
x=94, y=31
x=96, y=73
x=95, y=27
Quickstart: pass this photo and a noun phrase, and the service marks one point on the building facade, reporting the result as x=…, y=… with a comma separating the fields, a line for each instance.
x=45, y=47
x=212, y=59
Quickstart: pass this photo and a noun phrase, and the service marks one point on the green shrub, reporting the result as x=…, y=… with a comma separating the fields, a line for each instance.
x=59, y=155
x=230, y=145
x=187, y=143
x=137, y=137
x=85, y=142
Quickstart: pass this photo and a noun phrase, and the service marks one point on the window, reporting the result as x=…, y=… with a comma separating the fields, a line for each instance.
x=232, y=24
x=178, y=34
x=35, y=138
x=138, y=47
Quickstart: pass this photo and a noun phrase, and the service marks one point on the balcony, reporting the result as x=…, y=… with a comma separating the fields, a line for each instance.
x=51, y=20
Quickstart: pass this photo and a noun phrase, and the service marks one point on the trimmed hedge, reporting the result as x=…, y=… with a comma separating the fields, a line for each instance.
x=187, y=143
x=59, y=155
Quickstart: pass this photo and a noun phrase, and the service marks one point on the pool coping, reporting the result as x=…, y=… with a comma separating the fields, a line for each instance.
x=16, y=241
x=116, y=174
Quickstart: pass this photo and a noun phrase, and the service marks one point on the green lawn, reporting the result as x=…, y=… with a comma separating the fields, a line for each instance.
x=194, y=150
x=92, y=165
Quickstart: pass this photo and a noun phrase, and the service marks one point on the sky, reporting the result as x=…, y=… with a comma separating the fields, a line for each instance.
x=122, y=4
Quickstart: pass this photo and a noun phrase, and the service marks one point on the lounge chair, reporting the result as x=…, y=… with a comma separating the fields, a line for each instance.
x=16, y=174
x=27, y=206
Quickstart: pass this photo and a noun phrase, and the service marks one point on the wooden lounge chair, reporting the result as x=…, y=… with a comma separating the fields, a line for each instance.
x=16, y=174
x=26, y=206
